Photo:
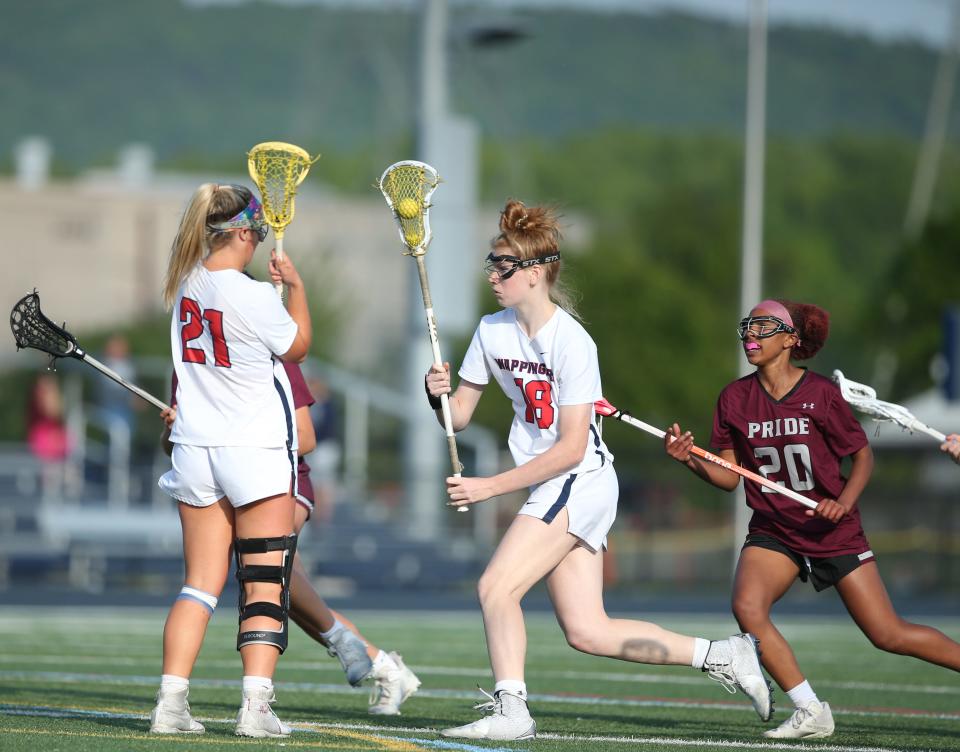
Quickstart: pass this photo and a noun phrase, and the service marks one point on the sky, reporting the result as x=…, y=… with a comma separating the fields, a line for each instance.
x=924, y=20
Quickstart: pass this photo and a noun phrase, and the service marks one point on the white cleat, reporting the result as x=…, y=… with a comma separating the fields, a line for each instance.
x=509, y=720
x=351, y=651
x=256, y=718
x=735, y=663
x=812, y=721
x=393, y=683
x=171, y=715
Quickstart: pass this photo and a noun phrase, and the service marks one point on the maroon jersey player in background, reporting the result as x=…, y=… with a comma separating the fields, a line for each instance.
x=794, y=427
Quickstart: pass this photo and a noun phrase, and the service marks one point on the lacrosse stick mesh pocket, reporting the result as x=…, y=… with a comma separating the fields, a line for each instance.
x=405, y=186
x=32, y=329
x=278, y=169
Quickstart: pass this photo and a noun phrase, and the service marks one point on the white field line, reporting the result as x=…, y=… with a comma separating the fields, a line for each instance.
x=482, y=672
x=571, y=699
x=383, y=733
x=394, y=731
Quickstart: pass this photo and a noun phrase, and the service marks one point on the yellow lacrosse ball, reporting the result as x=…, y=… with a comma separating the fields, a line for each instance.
x=408, y=208
x=413, y=238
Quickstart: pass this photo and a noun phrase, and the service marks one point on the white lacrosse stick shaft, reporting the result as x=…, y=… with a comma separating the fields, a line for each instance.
x=279, y=247
x=438, y=361
x=605, y=409
x=122, y=382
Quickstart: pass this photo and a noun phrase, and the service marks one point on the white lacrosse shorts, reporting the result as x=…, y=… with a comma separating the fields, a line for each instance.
x=201, y=476
x=590, y=499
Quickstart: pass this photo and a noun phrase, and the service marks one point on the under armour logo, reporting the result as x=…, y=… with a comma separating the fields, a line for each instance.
x=809, y=405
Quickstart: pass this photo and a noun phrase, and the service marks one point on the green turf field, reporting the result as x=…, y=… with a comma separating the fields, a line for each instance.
x=85, y=680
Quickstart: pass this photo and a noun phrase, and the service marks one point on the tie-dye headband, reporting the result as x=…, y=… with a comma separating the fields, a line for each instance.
x=249, y=216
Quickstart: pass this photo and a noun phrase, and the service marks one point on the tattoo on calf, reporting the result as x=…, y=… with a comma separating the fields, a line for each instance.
x=645, y=651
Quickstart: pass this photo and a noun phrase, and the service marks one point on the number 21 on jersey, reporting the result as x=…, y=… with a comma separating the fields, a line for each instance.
x=192, y=318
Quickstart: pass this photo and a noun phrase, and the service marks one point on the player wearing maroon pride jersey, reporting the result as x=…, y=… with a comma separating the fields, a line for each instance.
x=546, y=364
x=794, y=427
x=798, y=441
x=393, y=682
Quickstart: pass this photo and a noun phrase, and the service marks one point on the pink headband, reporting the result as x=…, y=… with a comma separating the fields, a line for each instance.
x=777, y=309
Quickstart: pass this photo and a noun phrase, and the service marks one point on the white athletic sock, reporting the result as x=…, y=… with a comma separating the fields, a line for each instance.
x=802, y=694
x=337, y=626
x=252, y=683
x=173, y=683
x=700, y=648
x=174, y=690
x=513, y=686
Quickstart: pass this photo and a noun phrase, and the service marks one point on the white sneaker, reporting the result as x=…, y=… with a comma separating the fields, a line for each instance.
x=256, y=717
x=735, y=663
x=351, y=651
x=812, y=721
x=509, y=720
x=393, y=683
x=172, y=714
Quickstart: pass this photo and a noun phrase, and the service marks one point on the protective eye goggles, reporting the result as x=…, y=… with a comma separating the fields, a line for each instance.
x=250, y=218
x=506, y=266
x=762, y=327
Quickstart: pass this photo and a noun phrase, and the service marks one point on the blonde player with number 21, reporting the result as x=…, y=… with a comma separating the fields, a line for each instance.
x=546, y=364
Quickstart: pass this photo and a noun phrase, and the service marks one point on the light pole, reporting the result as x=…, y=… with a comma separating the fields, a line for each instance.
x=751, y=258
x=449, y=143
x=935, y=133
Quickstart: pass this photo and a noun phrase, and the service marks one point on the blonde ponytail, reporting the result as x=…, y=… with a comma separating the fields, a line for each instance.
x=210, y=203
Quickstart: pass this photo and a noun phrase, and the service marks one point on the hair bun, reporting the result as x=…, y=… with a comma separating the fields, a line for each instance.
x=520, y=219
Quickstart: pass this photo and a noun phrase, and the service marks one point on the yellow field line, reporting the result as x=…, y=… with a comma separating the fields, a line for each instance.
x=374, y=742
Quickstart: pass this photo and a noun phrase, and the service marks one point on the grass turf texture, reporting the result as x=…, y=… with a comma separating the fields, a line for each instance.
x=83, y=680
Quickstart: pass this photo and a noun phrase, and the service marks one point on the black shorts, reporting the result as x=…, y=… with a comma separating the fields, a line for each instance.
x=821, y=572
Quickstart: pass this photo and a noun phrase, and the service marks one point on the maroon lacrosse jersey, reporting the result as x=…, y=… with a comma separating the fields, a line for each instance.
x=798, y=442
x=301, y=398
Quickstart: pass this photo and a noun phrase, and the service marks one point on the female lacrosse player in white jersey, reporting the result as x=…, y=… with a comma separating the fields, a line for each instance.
x=546, y=363
x=234, y=455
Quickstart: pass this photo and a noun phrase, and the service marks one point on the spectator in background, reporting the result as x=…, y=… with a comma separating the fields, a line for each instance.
x=47, y=431
x=325, y=458
x=952, y=446
x=117, y=403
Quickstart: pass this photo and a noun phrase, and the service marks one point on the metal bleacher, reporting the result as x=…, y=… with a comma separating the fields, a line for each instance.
x=97, y=522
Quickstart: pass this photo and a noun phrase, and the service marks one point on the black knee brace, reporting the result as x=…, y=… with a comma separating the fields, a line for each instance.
x=265, y=573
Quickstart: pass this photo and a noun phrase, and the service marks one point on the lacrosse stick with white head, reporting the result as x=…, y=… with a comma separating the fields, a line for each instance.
x=863, y=398
x=605, y=409
x=34, y=330
x=407, y=187
x=277, y=169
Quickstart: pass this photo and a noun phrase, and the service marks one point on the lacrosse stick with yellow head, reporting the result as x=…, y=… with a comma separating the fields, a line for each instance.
x=407, y=186
x=277, y=169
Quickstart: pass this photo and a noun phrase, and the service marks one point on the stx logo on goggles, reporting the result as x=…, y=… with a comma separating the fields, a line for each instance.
x=505, y=266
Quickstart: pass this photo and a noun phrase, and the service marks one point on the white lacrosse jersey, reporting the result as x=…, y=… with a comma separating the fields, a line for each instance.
x=557, y=367
x=224, y=332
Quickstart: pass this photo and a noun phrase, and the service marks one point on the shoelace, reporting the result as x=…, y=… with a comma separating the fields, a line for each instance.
x=379, y=691
x=799, y=716
x=493, y=703
x=722, y=674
